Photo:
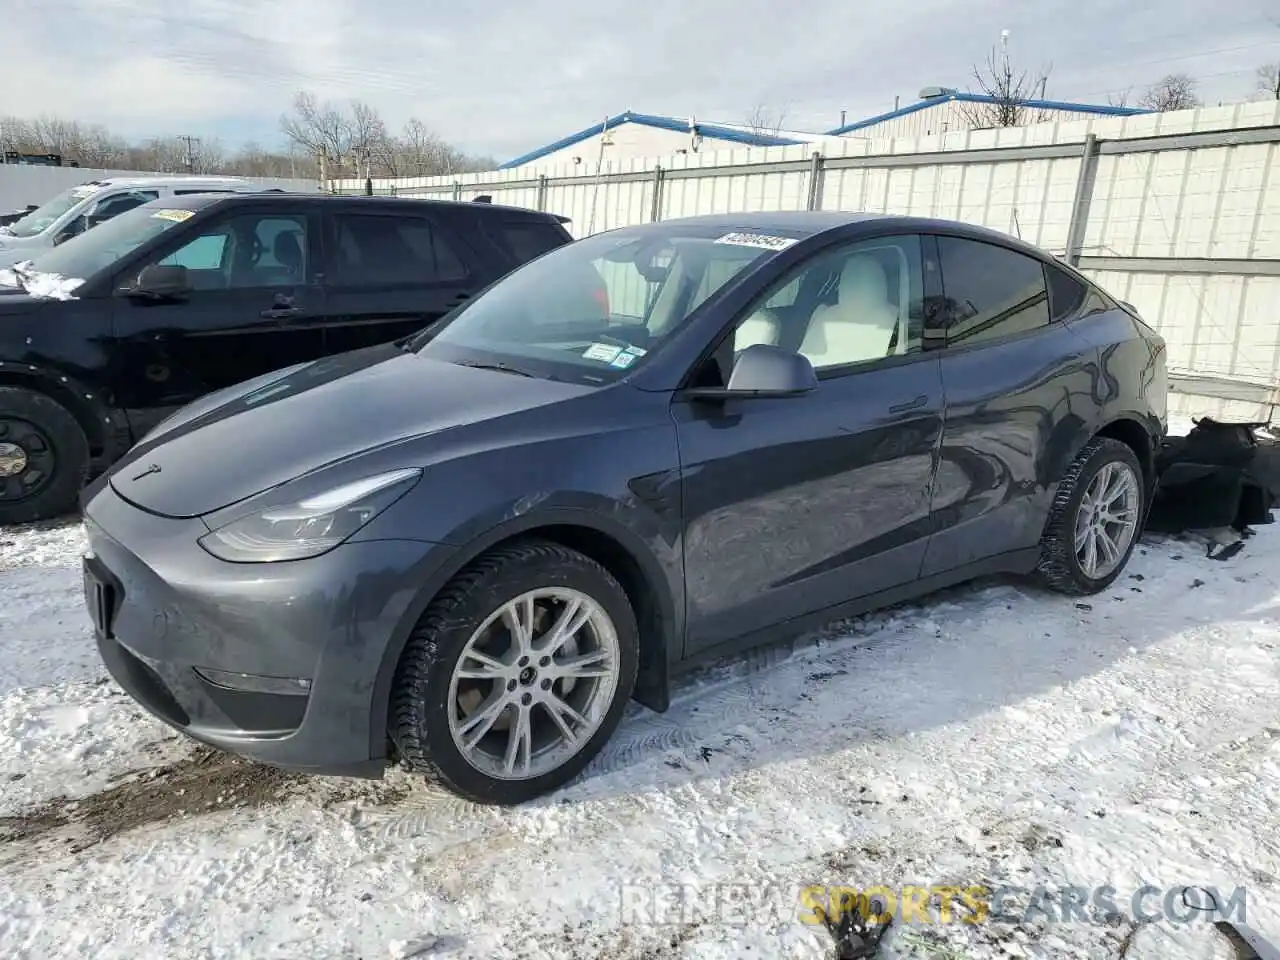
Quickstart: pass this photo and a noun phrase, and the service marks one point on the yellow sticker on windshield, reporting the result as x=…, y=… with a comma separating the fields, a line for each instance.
x=177, y=216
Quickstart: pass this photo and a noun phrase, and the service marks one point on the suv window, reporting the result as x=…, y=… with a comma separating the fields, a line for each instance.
x=855, y=304
x=375, y=250
x=524, y=240
x=114, y=206
x=1066, y=293
x=990, y=291
x=246, y=251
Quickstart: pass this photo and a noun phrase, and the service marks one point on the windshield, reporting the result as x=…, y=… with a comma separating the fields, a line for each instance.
x=96, y=249
x=41, y=218
x=591, y=311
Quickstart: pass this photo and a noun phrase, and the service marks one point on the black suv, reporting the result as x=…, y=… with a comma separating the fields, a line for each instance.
x=107, y=334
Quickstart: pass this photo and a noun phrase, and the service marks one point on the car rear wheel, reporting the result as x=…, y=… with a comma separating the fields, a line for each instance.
x=44, y=457
x=1095, y=520
x=516, y=674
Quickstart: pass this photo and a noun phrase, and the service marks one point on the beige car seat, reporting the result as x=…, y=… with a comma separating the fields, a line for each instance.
x=860, y=325
x=763, y=326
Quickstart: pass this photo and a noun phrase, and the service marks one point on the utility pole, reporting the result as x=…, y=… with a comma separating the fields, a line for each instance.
x=191, y=159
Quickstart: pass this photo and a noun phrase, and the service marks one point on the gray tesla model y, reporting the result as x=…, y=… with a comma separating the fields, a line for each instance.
x=467, y=550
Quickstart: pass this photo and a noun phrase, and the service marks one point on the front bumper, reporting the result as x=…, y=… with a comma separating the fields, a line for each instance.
x=312, y=636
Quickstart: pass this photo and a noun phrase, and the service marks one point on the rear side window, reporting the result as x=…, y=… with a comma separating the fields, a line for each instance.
x=525, y=240
x=1066, y=293
x=383, y=251
x=990, y=291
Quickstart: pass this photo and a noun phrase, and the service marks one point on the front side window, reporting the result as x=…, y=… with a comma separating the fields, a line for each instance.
x=118, y=204
x=593, y=310
x=247, y=251
x=43, y=217
x=991, y=292
x=856, y=304
x=97, y=249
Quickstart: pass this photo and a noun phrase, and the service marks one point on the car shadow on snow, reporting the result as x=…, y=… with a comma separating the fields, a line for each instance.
x=951, y=657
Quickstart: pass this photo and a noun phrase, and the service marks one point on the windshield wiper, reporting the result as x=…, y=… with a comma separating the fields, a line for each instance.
x=504, y=368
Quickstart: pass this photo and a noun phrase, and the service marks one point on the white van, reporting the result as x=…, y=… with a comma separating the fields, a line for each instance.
x=74, y=211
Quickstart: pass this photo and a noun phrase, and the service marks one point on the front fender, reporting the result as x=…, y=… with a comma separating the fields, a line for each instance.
x=662, y=573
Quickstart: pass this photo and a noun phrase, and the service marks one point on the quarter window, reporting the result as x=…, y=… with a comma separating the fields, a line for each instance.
x=1066, y=293
x=990, y=292
x=525, y=240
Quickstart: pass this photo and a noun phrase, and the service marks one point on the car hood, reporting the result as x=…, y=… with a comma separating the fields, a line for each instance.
x=321, y=413
x=16, y=249
x=14, y=301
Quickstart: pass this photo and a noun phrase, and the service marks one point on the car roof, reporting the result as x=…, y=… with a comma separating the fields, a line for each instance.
x=198, y=201
x=814, y=222
x=165, y=181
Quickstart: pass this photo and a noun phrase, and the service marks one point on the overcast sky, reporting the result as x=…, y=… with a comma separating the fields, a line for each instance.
x=501, y=77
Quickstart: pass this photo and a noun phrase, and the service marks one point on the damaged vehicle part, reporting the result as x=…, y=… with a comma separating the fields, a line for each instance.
x=647, y=448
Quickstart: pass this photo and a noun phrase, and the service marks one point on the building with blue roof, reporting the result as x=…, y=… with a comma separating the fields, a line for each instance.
x=631, y=135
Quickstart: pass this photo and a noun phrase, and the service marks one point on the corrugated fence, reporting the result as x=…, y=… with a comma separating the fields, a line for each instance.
x=1177, y=213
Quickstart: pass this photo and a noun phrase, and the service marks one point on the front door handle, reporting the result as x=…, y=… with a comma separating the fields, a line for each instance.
x=279, y=313
x=915, y=404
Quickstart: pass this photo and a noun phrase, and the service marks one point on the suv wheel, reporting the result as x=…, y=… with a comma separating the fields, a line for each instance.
x=1095, y=520
x=516, y=674
x=44, y=457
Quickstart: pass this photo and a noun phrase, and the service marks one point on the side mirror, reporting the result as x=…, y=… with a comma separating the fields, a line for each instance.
x=762, y=370
x=158, y=282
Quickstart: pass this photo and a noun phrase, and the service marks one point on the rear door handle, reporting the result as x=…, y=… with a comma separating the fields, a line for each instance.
x=915, y=404
x=279, y=313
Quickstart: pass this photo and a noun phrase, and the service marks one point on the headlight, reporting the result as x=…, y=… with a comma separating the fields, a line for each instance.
x=309, y=527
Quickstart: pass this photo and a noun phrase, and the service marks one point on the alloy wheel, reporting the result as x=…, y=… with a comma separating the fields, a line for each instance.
x=1107, y=520
x=533, y=683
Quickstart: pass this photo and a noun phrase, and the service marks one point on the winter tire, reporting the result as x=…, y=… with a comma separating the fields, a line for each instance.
x=44, y=457
x=1095, y=520
x=516, y=674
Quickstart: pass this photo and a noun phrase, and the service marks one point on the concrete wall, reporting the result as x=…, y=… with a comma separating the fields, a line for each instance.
x=1178, y=213
x=21, y=184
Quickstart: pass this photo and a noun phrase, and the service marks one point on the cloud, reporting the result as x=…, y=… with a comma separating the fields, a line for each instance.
x=506, y=76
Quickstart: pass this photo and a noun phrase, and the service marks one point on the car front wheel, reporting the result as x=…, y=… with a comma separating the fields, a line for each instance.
x=1095, y=520
x=516, y=674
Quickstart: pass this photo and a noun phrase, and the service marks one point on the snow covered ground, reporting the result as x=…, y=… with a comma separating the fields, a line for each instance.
x=994, y=736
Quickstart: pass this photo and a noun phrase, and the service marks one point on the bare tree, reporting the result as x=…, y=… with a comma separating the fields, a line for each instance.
x=1177, y=91
x=1269, y=80
x=320, y=128
x=323, y=141
x=1120, y=98
x=1007, y=91
x=766, y=122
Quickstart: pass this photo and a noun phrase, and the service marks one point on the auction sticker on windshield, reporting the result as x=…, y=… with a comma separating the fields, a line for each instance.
x=177, y=216
x=604, y=352
x=761, y=240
